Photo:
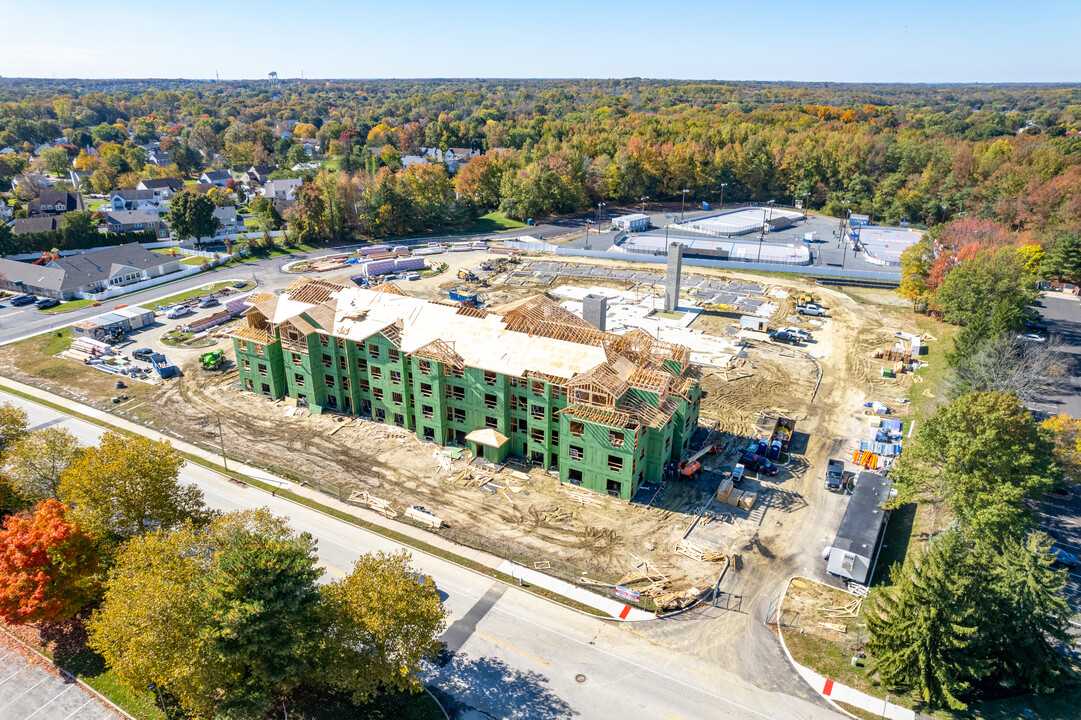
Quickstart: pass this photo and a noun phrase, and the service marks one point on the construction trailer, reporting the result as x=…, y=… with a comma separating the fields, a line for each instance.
x=528, y=379
x=752, y=322
x=855, y=549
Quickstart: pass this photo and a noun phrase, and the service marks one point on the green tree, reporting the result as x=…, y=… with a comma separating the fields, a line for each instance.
x=1063, y=262
x=924, y=630
x=383, y=621
x=223, y=617
x=1030, y=616
x=129, y=486
x=191, y=215
x=37, y=460
x=79, y=229
x=56, y=160
x=13, y=424
x=985, y=456
x=992, y=284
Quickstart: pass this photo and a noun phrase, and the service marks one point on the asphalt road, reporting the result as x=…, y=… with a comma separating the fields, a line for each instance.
x=515, y=655
x=1062, y=313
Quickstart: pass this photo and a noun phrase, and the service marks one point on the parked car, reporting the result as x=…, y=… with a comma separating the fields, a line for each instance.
x=143, y=354
x=208, y=302
x=177, y=311
x=783, y=336
x=758, y=464
x=804, y=335
x=46, y=303
x=811, y=309
x=1032, y=338
x=1062, y=557
x=20, y=300
x=240, y=284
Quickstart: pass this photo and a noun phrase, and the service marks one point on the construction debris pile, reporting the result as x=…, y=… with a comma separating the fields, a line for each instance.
x=879, y=452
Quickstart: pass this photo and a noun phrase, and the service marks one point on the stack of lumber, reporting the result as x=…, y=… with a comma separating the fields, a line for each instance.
x=725, y=489
x=583, y=499
x=424, y=517
x=85, y=349
x=698, y=552
x=746, y=501
x=852, y=609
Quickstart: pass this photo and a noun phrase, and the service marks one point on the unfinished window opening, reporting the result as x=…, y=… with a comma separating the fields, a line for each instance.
x=668, y=442
x=377, y=393
x=332, y=402
x=392, y=353
x=457, y=392
x=362, y=364
x=491, y=422
x=242, y=345
x=247, y=365
x=377, y=372
x=555, y=438
x=615, y=438
x=425, y=390
x=427, y=412
x=298, y=379
x=537, y=388
x=514, y=382
x=340, y=342
x=615, y=463
x=329, y=380
x=577, y=428
x=365, y=407
x=399, y=420
x=456, y=414
x=380, y=414
x=326, y=360
x=537, y=435
x=537, y=458
x=363, y=385
x=345, y=383
x=574, y=476
x=538, y=412
x=266, y=389
x=429, y=433
x=341, y=362
x=249, y=385
x=425, y=367
x=520, y=425
x=259, y=351
x=489, y=377
x=373, y=352
x=302, y=401
x=615, y=488
x=395, y=377
x=323, y=340
x=347, y=404
x=296, y=359
x=396, y=398
x=576, y=453
x=456, y=371
x=490, y=401
x=262, y=369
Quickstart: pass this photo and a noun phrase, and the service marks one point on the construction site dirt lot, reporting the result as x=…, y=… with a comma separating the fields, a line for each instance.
x=533, y=518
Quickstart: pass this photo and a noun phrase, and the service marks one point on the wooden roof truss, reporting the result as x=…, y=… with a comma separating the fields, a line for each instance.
x=439, y=351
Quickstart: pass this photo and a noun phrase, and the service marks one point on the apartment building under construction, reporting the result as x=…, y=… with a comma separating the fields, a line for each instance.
x=529, y=378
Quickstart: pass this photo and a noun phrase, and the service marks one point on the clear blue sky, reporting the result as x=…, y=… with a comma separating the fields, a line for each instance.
x=839, y=40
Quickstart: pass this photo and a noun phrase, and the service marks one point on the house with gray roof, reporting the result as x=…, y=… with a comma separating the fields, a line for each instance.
x=134, y=199
x=163, y=188
x=125, y=221
x=38, y=224
x=86, y=273
x=215, y=177
x=55, y=202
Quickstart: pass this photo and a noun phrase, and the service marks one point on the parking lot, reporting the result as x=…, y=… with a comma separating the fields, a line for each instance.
x=1060, y=311
x=30, y=687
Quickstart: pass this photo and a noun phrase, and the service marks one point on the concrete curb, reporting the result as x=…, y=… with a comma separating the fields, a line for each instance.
x=73, y=678
x=888, y=709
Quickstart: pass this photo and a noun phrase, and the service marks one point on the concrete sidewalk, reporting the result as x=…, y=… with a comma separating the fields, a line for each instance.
x=572, y=592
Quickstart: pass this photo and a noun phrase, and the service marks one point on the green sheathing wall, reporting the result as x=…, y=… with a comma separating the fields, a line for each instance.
x=535, y=420
x=389, y=381
x=304, y=381
x=590, y=452
x=430, y=383
x=484, y=398
x=252, y=358
x=684, y=421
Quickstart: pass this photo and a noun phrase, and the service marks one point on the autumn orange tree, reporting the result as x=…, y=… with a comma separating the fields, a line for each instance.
x=48, y=566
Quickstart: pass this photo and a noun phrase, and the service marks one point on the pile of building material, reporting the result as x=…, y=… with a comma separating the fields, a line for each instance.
x=697, y=552
x=730, y=495
x=424, y=516
x=583, y=498
x=378, y=504
x=84, y=350
x=852, y=609
x=677, y=600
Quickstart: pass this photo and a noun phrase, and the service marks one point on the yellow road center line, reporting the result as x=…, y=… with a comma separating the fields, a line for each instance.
x=11, y=313
x=511, y=647
x=331, y=570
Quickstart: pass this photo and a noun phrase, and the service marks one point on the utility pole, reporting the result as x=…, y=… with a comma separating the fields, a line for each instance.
x=643, y=199
x=844, y=243
x=682, y=202
x=221, y=439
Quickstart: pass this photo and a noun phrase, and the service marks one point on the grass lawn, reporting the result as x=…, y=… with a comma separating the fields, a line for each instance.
x=925, y=395
x=187, y=294
x=95, y=205
x=194, y=260
x=68, y=305
x=495, y=221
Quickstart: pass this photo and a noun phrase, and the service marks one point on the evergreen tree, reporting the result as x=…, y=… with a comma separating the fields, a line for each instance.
x=1063, y=262
x=1030, y=615
x=925, y=630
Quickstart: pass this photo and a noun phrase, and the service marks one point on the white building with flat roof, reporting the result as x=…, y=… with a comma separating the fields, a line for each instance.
x=636, y=221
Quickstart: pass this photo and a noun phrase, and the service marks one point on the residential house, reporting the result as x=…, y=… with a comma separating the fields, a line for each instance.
x=433, y=154
x=215, y=177
x=231, y=223
x=125, y=221
x=38, y=181
x=408, y=160
x=157, y=157
x=89, y=272
x=55, y=202
x=259, y=173
x=38, y=224
x=163, y=188
x=78, y=177
x=128, y=199
x=282, y=189
x=527, y=379
x=457, y=156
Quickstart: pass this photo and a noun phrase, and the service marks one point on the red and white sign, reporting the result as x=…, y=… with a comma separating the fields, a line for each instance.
x=628, y=594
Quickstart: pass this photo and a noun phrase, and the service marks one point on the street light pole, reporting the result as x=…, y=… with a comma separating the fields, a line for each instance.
x=723, y=186
x=643, y=199
x=844, y=243
x=682, y=203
